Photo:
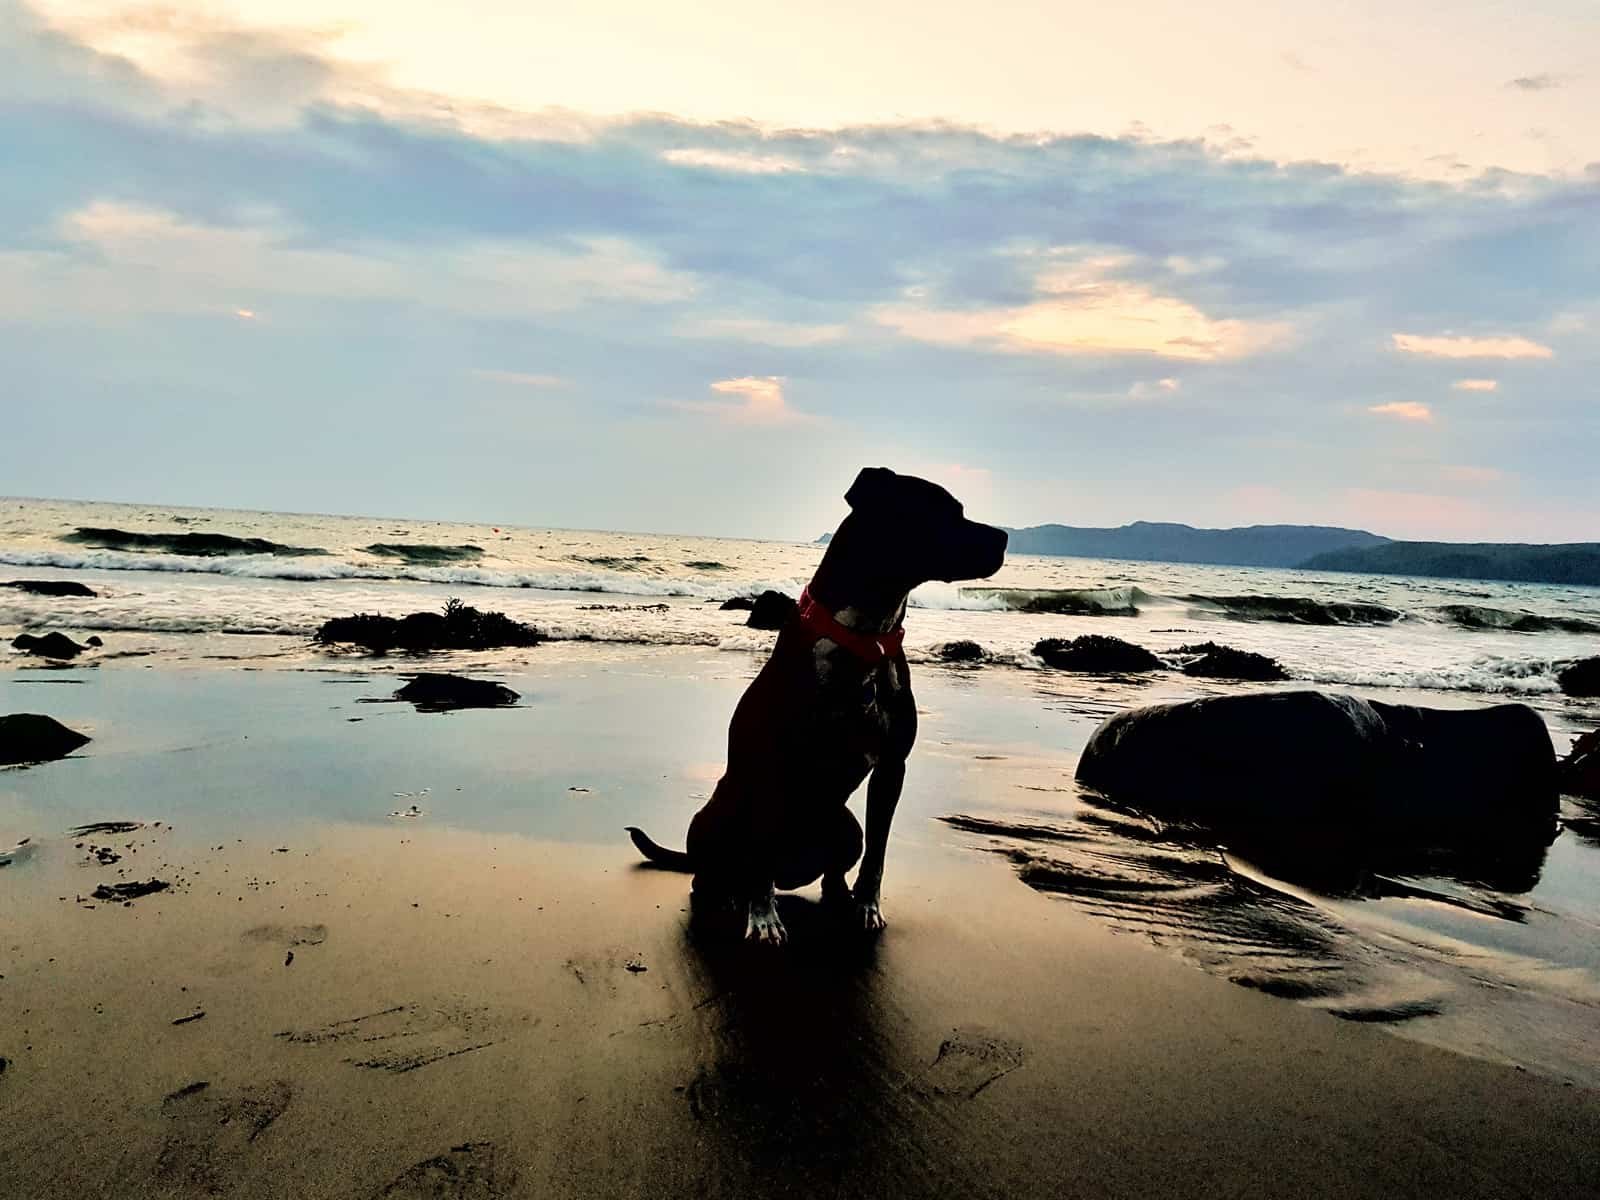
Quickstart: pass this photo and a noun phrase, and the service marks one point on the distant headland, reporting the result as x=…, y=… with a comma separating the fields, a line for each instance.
x=1315, y=547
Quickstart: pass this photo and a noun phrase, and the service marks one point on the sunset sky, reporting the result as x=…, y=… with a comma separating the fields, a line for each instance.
x=685, y=268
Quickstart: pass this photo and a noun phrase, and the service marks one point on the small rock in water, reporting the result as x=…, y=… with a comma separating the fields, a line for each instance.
x=129, y=891
x=771, y=610
x=1582, y=678
x=438, y=692
x=33, y=737
x=961, y=652
x=1095, y=652
x=51, y=645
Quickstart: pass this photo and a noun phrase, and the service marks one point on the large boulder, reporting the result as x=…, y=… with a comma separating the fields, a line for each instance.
x=771, y=610
x=1096, y=652
x=1582, y=678
x=1332, y=771
x=51, y=645
x=439, y=692
x=32, y=737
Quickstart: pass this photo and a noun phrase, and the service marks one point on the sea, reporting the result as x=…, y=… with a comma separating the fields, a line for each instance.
x=1502, y=966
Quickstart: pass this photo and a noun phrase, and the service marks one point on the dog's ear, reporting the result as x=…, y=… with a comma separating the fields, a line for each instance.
x=871, y=485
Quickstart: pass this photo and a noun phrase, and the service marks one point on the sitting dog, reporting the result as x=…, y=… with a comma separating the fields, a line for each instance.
x=830, y=706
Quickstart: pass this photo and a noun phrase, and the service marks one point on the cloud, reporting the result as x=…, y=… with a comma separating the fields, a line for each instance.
x=1145, y=389
x=1473, y=475
x=761, y=331
x=518, y=378
x=110, y=258
x=1083, y=308
x=1505, y=346
x=722, y=160
x=1536, y=83
x=1476, y=385
x=759, y=401
x=1404, y=410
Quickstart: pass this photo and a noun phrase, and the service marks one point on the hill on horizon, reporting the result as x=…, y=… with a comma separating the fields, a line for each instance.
x=1169, y=541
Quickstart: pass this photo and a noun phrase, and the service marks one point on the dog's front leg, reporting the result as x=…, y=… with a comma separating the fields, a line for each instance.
x=883, y=796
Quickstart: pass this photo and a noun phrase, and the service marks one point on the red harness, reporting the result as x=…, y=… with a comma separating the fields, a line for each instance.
x=870, y=648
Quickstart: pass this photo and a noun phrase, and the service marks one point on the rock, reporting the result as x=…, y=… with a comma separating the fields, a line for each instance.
x=1096, y=652
x=129, y=891
x=738, y=604
x=31, y=737
x=93, y=641
x=1224, y=662
x=1580, y=770
x=51, y=645
x=1582, y=678
x=961, y=652
x=51, y=587
x=1326, y=770
x=439, y=692
x=458, y=627
x=771, y=610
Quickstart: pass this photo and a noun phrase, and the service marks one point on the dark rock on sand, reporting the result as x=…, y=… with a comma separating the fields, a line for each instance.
x=203, y=545
x=961, y=652
x=438, y=692
x=738, y=604
x=1582, y=678
x=1224, y=662
x=51, y=587
x=1329, y=772
x=771, y=610
x=51, y=645
x=1580, y=770
x=32, y=737
x=1095, y=652
x=129, y=891
x=458, y=627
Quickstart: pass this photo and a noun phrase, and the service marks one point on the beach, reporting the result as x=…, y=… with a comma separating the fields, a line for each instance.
x=411, y=953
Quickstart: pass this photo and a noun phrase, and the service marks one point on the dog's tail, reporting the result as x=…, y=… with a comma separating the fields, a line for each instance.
x=669, y=860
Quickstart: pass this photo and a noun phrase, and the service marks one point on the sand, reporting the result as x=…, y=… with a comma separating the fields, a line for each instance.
x=490, y=999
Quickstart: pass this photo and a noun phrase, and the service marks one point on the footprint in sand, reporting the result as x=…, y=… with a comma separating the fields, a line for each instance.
x=472, y=1171
x=408, y=1036
x=208, y=1148
x=968, y=1061
x=286, y=935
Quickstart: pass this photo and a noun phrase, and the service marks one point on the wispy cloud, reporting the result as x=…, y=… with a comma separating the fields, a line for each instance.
x=1476, y=385
x=1404, y=410
x=722, y=160
x=1085, y=308
x=761, y=331
x=1535, y=83
x=1145, y=389
x=1503, y=346
x=757, y=400
x=518, y=378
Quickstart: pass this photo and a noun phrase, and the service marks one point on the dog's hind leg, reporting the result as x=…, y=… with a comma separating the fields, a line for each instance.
x=844, y=849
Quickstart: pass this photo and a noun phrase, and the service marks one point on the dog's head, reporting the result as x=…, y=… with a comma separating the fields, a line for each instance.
x=916, y=531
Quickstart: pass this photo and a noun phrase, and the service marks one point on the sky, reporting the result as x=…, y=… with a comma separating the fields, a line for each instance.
x=687, y=268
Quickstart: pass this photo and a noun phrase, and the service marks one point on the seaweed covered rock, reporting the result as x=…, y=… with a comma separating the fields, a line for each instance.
x=1582, y=678
x=961, y=651
x=51, y=587
x=440, y=692
x=1225, y=662
x=771, y=610
x=33, y=737
x=1096, y=652
x=458, y=627
x=50, y=645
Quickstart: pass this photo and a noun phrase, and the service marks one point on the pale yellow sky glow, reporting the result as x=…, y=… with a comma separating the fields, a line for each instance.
x=1437, y=89
x=1506, y=346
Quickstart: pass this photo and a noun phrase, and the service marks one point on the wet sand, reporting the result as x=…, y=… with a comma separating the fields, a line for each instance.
x=487, y=1000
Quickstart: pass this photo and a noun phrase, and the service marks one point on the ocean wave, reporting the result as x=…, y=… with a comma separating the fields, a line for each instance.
x=1297, y=610
x=1077, y=602
x=205, y=545
x=423, y=554
x=1477, y=616
x=1504, y=676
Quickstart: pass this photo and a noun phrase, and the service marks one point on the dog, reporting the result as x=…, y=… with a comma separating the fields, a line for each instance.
x=832, y=705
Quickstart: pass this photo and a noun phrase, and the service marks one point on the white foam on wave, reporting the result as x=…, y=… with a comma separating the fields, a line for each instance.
x=325, y=570
x=1517, y=677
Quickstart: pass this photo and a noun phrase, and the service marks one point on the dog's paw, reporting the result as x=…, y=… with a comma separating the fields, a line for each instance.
x=870, y=912
x=763, y=926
